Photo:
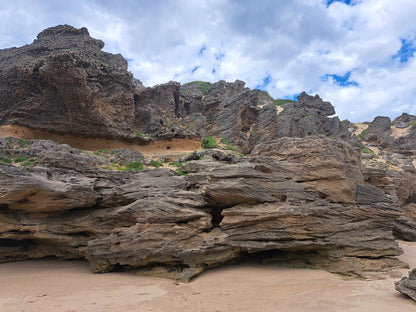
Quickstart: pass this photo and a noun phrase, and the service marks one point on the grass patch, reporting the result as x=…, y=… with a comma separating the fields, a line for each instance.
x=180, y=172
x=138, y=134
x=228, y=145
x=412, y=123
x=204, y=86
x=20, y=159
x=156, y=164
x=135, y=165
x=208, y=142
x=309, y=117
x=366, y=150
x=29, y=162
x=24, y=143
x=362, y=134
x=279, y=102
x=176, y=164
x=6, y=160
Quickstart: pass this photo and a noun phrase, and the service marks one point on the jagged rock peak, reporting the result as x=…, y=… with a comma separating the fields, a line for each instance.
x=67, y=36
x=316, y=102
x=63, y=30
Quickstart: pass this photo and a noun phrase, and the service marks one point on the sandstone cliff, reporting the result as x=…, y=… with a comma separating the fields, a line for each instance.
x=310, y=188
x=299, y=198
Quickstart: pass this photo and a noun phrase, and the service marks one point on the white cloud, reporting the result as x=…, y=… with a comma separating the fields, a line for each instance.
x=295, y=42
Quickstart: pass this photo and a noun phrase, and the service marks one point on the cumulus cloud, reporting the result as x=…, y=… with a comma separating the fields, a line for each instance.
x=358, y=54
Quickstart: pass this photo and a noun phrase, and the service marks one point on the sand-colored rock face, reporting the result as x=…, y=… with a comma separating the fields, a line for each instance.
x=277, y=200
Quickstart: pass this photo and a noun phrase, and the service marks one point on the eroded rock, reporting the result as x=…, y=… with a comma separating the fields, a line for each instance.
x=407, y=285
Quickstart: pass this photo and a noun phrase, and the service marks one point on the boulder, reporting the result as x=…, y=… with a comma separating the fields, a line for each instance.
x=407, y=285
x=377, y=129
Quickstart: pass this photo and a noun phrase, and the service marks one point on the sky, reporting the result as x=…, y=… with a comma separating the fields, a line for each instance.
x=357, y=54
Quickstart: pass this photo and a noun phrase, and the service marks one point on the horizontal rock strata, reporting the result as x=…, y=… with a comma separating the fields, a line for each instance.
x=277, y=201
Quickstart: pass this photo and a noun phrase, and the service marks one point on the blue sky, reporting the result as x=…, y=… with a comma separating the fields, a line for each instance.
x=357, y=54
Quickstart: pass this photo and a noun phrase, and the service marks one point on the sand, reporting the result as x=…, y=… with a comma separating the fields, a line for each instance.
x=69, y=286
x=174, y=147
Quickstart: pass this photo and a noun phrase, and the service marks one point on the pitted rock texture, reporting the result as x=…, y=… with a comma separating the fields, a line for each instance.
x=63, y=82
x=141, y=219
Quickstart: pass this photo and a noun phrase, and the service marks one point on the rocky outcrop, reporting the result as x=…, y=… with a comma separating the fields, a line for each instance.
x=276, y=201
x=63, y=82
x=407, y=285
x=392, y=166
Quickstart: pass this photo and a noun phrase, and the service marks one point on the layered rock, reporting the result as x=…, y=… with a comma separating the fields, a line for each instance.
x=64, y=83
x=275, y=201
x=233, y=112
x=390, y=149
x=407, y=285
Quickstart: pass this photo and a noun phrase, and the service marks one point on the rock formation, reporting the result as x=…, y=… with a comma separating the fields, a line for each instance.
x=307, y=199
x=308, y=189
x=389, y=163
x=63, y=82
x=407, y=285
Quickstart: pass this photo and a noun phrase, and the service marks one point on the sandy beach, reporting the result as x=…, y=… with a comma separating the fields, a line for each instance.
x=48, y=285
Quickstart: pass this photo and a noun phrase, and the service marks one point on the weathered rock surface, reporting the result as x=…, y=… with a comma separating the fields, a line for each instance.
x=390, y=165
x=63, y=82
x=407, y=285
x=276, y=201
x=299, y=195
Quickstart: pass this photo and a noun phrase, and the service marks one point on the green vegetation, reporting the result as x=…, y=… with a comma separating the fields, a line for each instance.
x=345, y=121
x=9, y=140
x=204, y=86
x=177, y=164
x=279, y=102
x=309, y=116
x=228, y=145
x=20, y=159
x=135, y=165
x=180, y=172
x=156, y=164
x=208, y=142
x=6, y=160
x=138, y=134
x=412, y=123
x=24, y=143
x=266, y=94
x=362, y=134
x=185, y=91
x=23, y=160
x=366, y=150
x=107, y=151
x=103, y=152
x=29, y=162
